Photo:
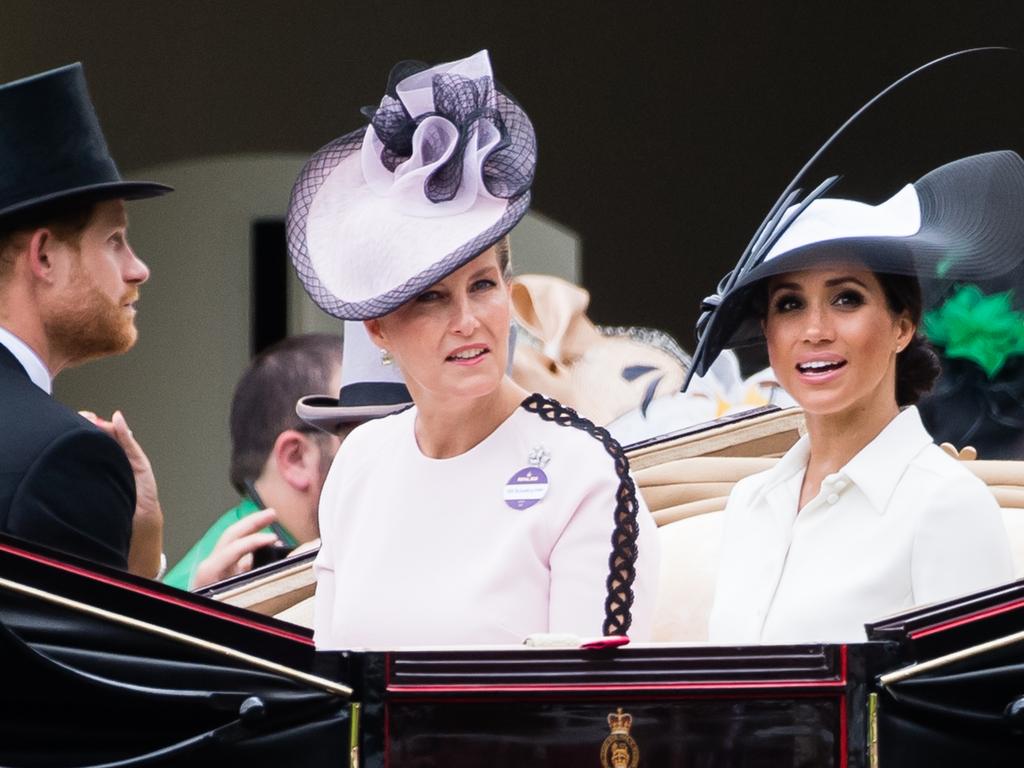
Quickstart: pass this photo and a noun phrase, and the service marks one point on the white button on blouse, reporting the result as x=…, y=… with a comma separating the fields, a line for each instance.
x=900, y=525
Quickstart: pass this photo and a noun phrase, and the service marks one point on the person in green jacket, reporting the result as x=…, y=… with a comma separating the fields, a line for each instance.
x=278, y=461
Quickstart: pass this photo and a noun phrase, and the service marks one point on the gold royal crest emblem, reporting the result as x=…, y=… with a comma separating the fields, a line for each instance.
x=619, y=750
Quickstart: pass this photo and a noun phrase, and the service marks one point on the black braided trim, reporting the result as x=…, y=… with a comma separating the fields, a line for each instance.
x=622, y=561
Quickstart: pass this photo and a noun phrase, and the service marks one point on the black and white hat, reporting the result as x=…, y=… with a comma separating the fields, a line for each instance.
x=441, y=173
x=963, y=220
x=369, y=387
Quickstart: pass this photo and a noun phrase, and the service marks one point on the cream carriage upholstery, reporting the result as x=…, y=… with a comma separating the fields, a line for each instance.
x=687, y=495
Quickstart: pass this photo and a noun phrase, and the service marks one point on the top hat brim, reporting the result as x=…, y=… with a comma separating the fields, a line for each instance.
x=972, y=227
x=113, y=190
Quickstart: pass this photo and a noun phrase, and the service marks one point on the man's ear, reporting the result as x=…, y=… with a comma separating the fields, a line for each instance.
x=41, y=254
x=297, y=458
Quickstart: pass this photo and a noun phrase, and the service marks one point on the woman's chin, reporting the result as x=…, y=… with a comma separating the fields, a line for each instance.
x=473, y=383
x=820, y=402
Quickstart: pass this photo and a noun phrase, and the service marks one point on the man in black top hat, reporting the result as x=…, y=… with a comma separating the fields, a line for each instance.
x=69, y=283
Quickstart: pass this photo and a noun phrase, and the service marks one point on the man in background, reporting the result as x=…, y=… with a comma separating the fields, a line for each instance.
x=278, y=461
x=69, y=287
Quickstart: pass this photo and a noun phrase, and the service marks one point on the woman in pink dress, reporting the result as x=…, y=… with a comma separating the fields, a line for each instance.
x=484, y=513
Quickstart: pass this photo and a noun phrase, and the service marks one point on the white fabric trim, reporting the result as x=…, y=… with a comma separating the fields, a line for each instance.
x=832, y=219
x=30, y=361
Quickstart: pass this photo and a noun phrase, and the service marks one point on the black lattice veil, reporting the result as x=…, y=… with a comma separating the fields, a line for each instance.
x=507, y=173
x=622, y=559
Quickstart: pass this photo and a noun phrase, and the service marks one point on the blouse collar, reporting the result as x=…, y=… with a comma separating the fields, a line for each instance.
x=877, y=467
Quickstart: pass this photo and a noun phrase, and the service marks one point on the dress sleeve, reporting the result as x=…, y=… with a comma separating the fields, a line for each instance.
x=960, y=544
x=580, y=566
x=78, y=497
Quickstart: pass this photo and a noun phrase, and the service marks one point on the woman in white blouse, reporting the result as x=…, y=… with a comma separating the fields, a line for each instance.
x=484, y=513
x=864, y=516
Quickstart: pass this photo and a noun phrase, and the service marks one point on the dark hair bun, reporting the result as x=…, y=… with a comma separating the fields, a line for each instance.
x=917, y=368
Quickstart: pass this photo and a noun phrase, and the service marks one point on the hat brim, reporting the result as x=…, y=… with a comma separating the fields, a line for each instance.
x=113, y=190
x=328, y=414
x=972, y=227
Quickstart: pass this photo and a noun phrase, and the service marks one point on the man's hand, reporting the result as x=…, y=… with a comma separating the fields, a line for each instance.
x=146, y=549
x=233, y=553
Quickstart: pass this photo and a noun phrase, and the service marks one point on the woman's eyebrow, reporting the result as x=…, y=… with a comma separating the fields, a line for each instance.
x=784, y=287
x=840, y=280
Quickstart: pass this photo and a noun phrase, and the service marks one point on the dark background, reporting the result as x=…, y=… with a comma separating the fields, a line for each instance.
x=666, y=130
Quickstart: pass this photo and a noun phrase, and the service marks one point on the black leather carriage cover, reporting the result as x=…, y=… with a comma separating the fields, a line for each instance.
x=963, y=715
x=78, y=690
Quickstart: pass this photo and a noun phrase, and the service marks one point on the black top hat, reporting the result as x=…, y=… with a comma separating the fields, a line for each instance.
x=52, y=148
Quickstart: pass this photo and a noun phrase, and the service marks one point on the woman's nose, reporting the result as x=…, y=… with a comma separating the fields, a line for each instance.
x=818, y=325
x=464, y=320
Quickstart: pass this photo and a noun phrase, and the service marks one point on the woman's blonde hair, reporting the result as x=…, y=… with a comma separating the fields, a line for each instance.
x=504, y=251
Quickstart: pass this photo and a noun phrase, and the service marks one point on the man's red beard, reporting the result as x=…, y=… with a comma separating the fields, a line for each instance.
x=90, y=325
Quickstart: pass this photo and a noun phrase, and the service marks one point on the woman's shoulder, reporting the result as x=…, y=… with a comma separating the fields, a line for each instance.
x=377, y=434
x=934, y=461
x=940, y=476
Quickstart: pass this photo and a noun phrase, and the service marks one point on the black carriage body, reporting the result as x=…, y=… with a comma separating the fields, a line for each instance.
x=85, y=690
x=693, y=705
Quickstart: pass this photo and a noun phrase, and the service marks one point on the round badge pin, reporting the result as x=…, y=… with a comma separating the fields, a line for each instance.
x=526, y=487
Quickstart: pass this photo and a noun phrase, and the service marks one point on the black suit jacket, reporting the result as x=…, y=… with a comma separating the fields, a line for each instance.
x=63, y=482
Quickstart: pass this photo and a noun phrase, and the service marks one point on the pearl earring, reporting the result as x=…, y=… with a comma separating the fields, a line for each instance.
x=386, y=358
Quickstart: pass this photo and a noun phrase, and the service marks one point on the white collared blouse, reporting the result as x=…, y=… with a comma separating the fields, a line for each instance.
x=900, y=525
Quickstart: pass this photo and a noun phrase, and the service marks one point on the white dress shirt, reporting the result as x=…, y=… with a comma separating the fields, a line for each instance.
x=900, y=525
x=29, y=360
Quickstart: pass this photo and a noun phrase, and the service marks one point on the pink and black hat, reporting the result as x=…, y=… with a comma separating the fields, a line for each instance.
x=442, y=172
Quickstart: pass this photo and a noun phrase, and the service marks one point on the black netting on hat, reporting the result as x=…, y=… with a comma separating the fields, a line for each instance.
x=508, y=170
x=464, y=102
x=395, y=128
